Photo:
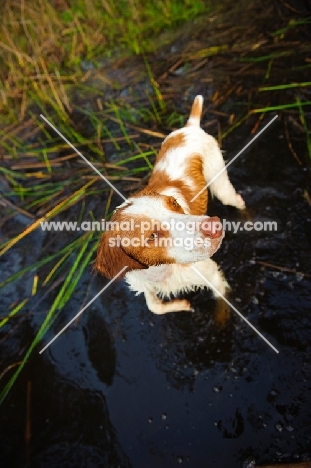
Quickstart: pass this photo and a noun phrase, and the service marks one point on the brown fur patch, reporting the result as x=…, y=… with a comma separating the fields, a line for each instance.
x=196, y=111
x=110, y=260
x=113, y=254
x=172, y=205
x=195, y=172
x=171, y=143
x=155, y=252
x=160, y=180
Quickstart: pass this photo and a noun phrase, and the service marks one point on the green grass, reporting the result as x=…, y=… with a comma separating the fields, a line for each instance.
x=285, y=86
x=43, y=49
x=81, y=261
x=282, y=107
x=303, y=120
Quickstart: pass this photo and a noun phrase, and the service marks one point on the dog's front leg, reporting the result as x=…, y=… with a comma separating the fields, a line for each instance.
x=158, y=307
x=206, y=273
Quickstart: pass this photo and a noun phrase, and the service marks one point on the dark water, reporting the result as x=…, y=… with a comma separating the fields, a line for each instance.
x=124, y=387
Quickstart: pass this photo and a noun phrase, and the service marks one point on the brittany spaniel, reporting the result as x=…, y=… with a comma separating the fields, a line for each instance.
x=162, y=231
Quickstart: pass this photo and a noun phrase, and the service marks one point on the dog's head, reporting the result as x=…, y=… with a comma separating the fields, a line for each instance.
x=153, y=229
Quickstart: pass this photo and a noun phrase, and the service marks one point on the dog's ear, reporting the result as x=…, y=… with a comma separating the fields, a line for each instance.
x=111, y=258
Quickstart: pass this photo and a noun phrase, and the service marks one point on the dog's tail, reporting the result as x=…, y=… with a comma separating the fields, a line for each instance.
x=196, y=112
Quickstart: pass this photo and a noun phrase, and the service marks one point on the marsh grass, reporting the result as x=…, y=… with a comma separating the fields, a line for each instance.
x=91, y=71
x=46, y=46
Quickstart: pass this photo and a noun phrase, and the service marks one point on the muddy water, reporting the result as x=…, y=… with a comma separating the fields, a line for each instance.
x=123, y=387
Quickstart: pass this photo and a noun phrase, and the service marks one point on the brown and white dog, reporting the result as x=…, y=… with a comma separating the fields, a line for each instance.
x=160, y=232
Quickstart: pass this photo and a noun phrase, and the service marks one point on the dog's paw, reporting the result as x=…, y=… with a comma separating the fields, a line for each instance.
x=183, y=305
x=239, y=202
x=175, y=305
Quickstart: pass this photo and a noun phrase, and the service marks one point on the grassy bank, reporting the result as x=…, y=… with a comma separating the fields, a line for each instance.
x=45, y=46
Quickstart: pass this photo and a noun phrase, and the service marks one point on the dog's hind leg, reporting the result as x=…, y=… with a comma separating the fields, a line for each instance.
x=216, y=175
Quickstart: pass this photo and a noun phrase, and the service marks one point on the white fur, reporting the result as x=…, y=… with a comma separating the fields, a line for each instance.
x=167, y=280
x=199, y=142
